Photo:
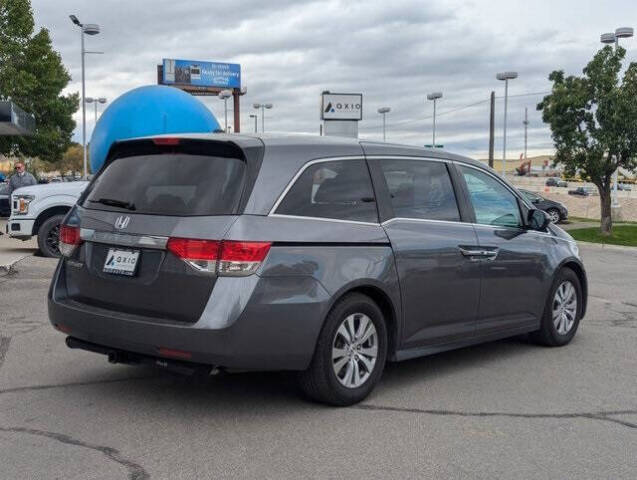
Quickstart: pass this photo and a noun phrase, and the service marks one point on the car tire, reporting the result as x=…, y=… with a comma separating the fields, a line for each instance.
x=554, y=214
x=337, y=366
x=48, y=236
x=561, y=318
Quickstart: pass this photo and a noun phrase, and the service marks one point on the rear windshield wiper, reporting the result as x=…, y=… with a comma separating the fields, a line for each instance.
x=112, y=202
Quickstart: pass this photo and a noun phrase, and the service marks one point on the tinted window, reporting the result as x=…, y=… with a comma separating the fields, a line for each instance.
x=339, y=189
x=170, y=184
x=492, y=202
x=420, y=189
x=531, y=197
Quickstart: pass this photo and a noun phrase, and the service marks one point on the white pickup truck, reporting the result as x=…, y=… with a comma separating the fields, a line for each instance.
x=39, y=210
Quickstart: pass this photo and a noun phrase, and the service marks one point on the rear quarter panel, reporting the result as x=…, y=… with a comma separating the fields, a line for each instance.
x=336, y=256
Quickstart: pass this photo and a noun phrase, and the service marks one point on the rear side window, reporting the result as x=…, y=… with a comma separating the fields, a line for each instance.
x=420, y=189
x=170, y=184
x=340, y=189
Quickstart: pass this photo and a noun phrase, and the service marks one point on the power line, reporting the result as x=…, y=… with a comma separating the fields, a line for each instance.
x=457, y=109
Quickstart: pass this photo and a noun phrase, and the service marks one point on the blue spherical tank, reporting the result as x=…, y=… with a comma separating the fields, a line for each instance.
x=149, y=110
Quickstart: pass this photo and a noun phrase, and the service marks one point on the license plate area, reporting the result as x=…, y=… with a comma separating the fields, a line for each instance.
x=121, y=262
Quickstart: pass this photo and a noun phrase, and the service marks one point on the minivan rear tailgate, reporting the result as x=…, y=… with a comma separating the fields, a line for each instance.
x=163, y=287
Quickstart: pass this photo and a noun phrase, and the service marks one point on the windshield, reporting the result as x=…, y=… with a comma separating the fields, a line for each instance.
x=169, y=184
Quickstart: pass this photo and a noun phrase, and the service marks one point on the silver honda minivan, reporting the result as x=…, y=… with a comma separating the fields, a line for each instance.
x=326, y=256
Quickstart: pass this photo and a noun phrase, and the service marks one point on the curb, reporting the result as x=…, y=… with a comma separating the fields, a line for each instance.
x=607, y=245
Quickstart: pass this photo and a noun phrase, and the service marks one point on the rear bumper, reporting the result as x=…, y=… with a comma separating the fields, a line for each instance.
x=250, y=323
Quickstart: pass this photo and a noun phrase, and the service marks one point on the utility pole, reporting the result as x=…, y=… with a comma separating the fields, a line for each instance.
x=492, y=129
x=526, y=127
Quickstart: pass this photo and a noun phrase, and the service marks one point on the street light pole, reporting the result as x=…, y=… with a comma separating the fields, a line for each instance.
x=506, y=76
x=225, y=95
x=623, y=32
x=434, y=96
x=262, y=106
x=255, y=121
x=95, y=101
x=383, y=111
x=85, y=168
x=89, y=29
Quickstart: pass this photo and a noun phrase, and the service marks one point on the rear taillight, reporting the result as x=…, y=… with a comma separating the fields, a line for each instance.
x=226, y=258
x=69, y=239
x=242, y=258
x=199, y=254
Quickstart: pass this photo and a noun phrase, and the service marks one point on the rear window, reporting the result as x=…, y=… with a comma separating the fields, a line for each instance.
x=170, y=184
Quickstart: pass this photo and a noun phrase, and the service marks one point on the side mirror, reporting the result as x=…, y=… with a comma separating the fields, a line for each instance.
x=538, y=220
x=535, y=200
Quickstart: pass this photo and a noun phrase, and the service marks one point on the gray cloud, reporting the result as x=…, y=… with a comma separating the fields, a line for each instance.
x=394, y=52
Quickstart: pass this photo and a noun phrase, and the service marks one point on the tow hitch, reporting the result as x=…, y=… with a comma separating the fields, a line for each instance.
x=120, y=356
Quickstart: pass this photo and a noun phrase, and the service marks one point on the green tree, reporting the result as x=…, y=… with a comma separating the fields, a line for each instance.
x=32, y=76
x=593, y=119
x=72, y=160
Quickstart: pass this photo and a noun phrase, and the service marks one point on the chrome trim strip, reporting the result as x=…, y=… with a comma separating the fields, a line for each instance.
x=321, y=219
x=425, y=220
x=493, y=227
x=300, y=172
x=124, y=239
x=407, y=157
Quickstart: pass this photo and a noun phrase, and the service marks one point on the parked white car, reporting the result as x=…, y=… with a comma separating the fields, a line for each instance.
x=39, y=210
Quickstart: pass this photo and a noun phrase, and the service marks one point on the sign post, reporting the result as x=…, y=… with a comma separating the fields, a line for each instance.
x=204, y=79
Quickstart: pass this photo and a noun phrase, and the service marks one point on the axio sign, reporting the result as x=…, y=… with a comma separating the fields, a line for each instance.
x=342, y=106
x=203, y=74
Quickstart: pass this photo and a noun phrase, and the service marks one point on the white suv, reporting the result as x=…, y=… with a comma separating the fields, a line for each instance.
x=39, y=210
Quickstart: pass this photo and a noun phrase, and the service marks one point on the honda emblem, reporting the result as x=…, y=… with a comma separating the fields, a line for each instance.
x=122, y=222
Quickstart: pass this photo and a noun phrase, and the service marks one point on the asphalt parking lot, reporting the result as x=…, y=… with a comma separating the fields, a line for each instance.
x=507, y=409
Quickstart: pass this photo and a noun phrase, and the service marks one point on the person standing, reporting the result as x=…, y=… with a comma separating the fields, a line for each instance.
x=20, y=178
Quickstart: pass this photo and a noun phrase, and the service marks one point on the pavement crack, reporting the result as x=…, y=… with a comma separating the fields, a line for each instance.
x=66, y=385
x=135, y=470
x=601, y=416
x=4, y=348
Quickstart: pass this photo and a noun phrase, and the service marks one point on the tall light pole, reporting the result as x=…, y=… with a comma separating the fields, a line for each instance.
x=623, y=32
x=89, y=29
x=263, y=107
x=225, y=95
x=434, y=96
x=252, y=115
x=95, y=101
x=383, y=111
x=506, y=76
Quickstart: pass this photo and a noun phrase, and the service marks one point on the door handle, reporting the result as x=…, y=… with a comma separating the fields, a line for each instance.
x=479, y=253
x=471, y=252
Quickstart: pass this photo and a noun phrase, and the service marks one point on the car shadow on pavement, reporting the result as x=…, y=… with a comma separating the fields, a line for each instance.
x=271, y=391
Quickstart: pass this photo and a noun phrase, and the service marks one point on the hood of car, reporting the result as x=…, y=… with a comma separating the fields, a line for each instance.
x=45, y=190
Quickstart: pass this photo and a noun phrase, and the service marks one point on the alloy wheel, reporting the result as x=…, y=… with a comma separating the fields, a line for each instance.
x=53, y=239
x=554, y=215
x=354, y=350
x=564, y=307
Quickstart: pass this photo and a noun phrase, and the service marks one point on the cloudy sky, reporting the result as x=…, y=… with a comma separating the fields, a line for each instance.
x=394, y=52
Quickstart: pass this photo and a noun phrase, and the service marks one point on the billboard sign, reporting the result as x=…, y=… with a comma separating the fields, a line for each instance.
x=201, y=74
x=342, y=106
